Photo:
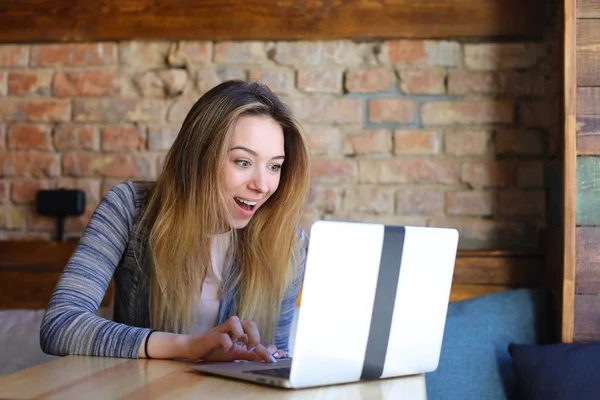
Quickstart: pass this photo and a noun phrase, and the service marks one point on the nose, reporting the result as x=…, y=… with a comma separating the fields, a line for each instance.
x=259, y=181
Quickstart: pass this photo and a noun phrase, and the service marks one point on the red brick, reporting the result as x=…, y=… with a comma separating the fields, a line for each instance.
x=74, y=54
x=423, y=81
x=401, y=111
x=416, y=141
x=35, y=109
x=323, y=199
x=4, y=188
x=174, y=80
x=328, y=110
x=515, y=83
x=470, y=203
x=144, y=55
x=412, y=220
x=180, y=109
x=2, y=137
x=26, y=236
x=14, y=55
x=419, y=201
x=467, y=112
x=488, y=174
x=530, y=174
x=3, y=82
x=411, y=53
x=30, y=137
x=112, y=165
x=32, y=165
x=190, y=52
x=118, y=110
x=542, y=113
x=320, y=80
x=488, y=234
x=108, y=184
x=76, y=137
x=418, y=170
x=468, y=142
x=150, y=85
x=497, y=56
x=30, y=82
x=240, y=52
x=369, y=170
x=518, y=141
x=209, y=77
x=315, y=53
x=123, y=138
x=41, y=223
x=371, y=141
x=24, y=191
x=12, y=217
x=463, y=83
x=97, y=82
x=333, y=171
x=279, y=80
x=162, y=137
x=361, y=80
x=522, y=204
x=323, y=141
x=369, y=199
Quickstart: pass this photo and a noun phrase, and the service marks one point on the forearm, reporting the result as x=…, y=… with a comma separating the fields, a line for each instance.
x=166, y=346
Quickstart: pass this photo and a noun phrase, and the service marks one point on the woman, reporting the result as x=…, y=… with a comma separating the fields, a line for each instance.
x=207, y=260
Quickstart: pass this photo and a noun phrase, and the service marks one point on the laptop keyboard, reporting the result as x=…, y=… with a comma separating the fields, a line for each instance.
x=283, y=372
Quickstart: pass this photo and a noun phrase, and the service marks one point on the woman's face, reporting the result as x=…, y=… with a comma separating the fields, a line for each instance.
x=253, y=166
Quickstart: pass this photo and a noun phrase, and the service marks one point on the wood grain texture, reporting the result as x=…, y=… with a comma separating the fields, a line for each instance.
x=588, y=191
x=29, y=272
x=588, y=9
x=489, y=267
x=588, y=135
x=588, y=52
x=78, y=377
x=587, y=318
x=83, y=20
x=569, y=172
x=588, y=261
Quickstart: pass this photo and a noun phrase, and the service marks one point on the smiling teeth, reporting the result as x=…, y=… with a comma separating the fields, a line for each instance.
x=250, y=203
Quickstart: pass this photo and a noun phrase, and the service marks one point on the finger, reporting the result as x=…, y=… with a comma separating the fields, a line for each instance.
x=264, y=355
x=233, y=327
x=280, y=354
x=271, y=349
x=222, y=340
x=251, y=329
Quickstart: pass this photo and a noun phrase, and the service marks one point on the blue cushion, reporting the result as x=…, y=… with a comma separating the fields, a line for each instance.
x=558, y=371
x=474, y=363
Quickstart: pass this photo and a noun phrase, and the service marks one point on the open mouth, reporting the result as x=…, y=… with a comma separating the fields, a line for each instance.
x=245, y=204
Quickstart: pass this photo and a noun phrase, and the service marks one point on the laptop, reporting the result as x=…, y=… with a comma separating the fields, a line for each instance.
x=374, y=304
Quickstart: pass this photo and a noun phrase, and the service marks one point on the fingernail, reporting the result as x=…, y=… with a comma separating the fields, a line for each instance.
x=276, y=354
x=272, y=359
x=239, y=344
x=252, y=348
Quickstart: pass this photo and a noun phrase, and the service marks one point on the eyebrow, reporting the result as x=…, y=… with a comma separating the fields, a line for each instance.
x=253, y=152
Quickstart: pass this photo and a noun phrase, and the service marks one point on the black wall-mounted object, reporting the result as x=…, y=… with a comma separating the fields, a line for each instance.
x=60, y=203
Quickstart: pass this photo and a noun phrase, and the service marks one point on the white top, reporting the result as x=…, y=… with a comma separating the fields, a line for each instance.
x=208, y=306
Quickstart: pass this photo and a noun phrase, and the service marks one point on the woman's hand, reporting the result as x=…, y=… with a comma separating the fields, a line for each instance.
x=232, y=340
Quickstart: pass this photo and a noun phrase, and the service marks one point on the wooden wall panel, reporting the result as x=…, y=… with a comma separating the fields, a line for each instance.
x=588, y=135
x=588, y=260
x=587, y=318
x=588, y=54
x=588, y=191
x=85, y=20
x=588, y=8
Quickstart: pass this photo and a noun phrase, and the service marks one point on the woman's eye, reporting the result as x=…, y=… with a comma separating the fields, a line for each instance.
x=243, y=163
x=275, y=167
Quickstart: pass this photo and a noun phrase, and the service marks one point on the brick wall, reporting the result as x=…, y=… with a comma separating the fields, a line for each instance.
x=437, y=133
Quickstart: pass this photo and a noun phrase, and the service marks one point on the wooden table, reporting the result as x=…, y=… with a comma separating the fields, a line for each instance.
x=80, y=377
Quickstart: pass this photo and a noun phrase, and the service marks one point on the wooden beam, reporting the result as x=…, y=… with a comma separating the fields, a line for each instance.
x=84, y=20
x=569, y=173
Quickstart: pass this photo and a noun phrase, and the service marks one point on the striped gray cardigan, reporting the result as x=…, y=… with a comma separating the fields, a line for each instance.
x=106, y=248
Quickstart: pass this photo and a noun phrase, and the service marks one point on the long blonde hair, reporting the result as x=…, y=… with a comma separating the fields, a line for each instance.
x=186, y=207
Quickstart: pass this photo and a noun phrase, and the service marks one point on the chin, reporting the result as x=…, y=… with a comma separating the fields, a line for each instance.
x=240, y=224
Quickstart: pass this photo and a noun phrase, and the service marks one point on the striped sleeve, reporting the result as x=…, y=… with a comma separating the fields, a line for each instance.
x=288, y=305
x=70, y=325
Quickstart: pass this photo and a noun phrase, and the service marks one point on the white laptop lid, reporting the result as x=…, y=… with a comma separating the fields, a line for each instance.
x=374, y=302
